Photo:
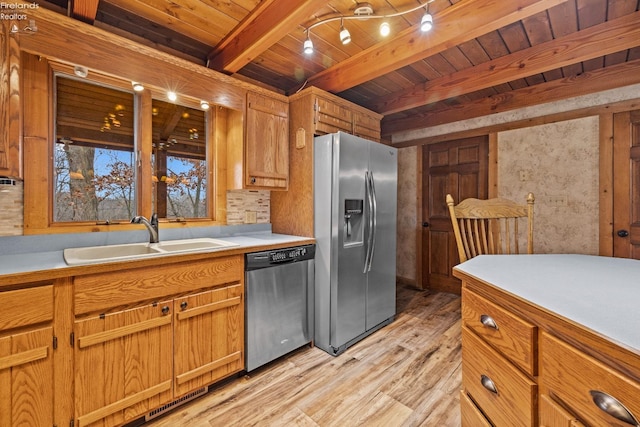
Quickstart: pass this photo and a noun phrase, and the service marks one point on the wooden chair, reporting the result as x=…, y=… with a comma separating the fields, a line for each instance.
x=490, y=226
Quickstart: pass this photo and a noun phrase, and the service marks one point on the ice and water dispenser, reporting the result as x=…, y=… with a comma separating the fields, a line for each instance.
x=353, y=222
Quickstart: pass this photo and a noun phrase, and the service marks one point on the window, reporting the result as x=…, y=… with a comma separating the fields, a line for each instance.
x=179, y=161
x=94, y=153
x=118, y=153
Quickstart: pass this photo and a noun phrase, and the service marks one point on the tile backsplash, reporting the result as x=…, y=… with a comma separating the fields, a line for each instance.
x=243, y=206
x=11, y=208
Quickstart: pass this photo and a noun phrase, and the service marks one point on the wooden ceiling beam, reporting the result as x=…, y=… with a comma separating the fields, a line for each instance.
x=84, y=10
x=456, y=24
x=267, y=24
x=594, y=42
x=612, y=77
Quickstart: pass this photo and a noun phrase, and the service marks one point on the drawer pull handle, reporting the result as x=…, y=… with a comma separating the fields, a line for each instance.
x=488, y=321
x=488, y=384
x=613, y=407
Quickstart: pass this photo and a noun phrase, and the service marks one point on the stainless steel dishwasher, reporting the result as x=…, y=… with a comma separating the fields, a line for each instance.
x=279, y=302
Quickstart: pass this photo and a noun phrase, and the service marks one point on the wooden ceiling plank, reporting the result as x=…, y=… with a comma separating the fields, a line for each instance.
x=609, y=37
x=190, y=18
x=263, y=27
x=85, y=10
x=599, y=80
x=459, y=23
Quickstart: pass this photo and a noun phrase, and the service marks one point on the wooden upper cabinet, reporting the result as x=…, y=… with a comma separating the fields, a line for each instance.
x=319, y=113
x=10, y=100
x=266, y=153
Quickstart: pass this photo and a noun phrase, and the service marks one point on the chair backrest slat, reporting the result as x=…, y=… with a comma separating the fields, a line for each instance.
x=490, y=226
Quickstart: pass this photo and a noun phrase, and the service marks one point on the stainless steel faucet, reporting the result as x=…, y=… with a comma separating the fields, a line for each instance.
x=152, y=226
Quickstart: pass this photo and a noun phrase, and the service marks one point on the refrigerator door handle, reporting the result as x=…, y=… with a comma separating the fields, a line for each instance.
x=369, y=199
x=374, y=220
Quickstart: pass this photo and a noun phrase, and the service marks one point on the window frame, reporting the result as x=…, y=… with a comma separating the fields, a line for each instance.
x=39, y=90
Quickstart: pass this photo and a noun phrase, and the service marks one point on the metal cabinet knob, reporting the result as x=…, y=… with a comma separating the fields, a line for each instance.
x=613, y=407
x=184, y=305
x=488, y=384
x=622, y=233
x=165, y=310
x=488, y=321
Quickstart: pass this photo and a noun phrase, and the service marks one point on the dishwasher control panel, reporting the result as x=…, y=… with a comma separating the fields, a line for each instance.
x=265, y=259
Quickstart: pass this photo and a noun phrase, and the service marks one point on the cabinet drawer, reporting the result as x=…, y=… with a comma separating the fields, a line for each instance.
x=470, y=415
x=553, y=415
x=514, y=337
x=573, y=376
x=513, y=401
x=102, y=291
x=26, y=306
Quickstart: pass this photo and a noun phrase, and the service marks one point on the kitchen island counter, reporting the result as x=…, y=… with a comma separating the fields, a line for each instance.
x=599, y=293
x=550, y=340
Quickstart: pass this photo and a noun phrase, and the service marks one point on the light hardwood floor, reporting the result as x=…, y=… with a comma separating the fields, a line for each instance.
x=406, y=374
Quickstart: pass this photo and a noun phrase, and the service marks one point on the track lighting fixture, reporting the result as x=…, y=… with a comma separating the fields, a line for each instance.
x=426, y=23
x=385, y=29
x=345, y=37
x=365, y=11
x=308, y=45
x=172, y=96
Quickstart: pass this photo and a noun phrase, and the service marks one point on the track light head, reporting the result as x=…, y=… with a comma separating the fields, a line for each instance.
x=385, y=29
x=345, y=36
x=308, y=46
x=426, y=24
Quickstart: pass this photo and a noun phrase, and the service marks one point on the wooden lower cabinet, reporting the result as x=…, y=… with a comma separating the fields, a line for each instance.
x=507, y=397
x=589, y=389
x=554, y=415
x=209, y=337
x=26, y=378
x=470, y=414
x=131, y=361
x=26, y=356
x=525, y=366
x=123, y=364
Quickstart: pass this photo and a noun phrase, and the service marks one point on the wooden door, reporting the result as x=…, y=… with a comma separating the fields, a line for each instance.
x=209, y=337
x=459, y=168
x=626, y=184
x=123, y=364
x=26, y=379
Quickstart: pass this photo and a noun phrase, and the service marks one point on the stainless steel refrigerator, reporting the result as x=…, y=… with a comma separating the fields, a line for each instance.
x=355, y=186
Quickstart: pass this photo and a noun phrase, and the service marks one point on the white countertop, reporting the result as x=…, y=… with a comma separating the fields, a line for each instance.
x=600, y=293
x=50, y=260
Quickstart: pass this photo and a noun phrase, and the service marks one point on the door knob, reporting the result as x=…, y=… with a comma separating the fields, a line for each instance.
x=623, y=233
x=425, y=224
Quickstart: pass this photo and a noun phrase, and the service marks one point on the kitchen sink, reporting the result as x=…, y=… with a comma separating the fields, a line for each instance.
x=129, y=251
x=192, y=245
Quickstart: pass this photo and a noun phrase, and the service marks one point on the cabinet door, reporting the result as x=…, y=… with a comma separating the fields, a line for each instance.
x=366, y=126
x=10, y=101
x=332, y=117
x=26, y=379
x=123, y=364
x=209, y=337
x=267, y=143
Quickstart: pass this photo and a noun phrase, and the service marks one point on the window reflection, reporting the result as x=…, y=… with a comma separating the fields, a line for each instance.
x=179, y=161
x=94, y=177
